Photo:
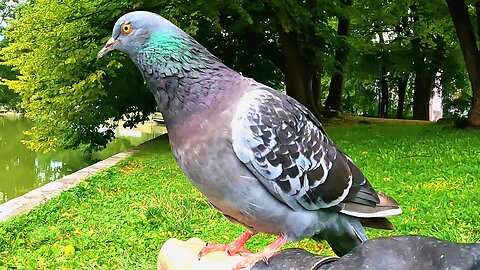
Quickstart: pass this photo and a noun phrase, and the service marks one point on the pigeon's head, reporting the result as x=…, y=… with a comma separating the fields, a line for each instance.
x=132, y=31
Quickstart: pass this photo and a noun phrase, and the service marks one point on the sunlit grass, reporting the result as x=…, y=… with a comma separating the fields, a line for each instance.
x=119, y=218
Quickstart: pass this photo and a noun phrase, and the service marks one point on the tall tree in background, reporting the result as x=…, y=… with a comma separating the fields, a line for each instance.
x=383, y=93
x=52, y=46
x=300, y=72
x=402, y=83
x=471, y=54
x=380, y=54
x=423, y=82
x=337, y=83
x=428, y=50
x=8, y=98
x=417, y=47
x=305, y=38
x=287, y=36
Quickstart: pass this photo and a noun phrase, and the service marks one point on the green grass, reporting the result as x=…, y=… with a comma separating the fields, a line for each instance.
x=119, y=219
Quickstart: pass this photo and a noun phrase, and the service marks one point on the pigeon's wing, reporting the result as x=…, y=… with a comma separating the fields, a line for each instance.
x=286, y=148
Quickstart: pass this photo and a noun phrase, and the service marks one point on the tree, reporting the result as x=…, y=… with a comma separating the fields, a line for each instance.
x=380, y=51
x=298, y=46
x=466, y=36
x=8, y=98
x=402, y=91
x=296, y=37
x=337, y=83
x=76, y=100
x=383, y=100
x=418, y=48
x=53, y=46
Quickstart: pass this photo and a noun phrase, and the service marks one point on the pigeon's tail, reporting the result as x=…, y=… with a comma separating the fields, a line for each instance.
x=344, y=235
x=374, y=217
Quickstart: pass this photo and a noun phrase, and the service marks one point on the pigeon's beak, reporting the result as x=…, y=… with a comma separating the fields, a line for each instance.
x=108, y=48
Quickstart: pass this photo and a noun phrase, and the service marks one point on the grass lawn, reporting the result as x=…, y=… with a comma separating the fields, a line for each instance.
x=118, y=219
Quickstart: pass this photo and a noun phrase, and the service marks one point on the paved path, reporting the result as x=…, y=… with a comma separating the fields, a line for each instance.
x=27, y=202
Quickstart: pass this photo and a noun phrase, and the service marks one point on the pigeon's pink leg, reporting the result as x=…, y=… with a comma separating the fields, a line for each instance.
x=263, y=255
x=236, y=247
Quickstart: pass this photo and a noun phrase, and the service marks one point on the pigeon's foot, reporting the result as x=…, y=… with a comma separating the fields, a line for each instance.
x=236, y=247
x=263, y=255
x=231, y=249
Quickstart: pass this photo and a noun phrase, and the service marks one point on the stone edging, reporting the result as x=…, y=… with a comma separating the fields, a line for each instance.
x=28, y=201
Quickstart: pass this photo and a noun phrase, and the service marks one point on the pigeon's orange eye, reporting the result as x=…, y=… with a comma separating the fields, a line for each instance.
x=126, y=28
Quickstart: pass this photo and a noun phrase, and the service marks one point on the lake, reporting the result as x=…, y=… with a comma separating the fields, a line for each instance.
x=22, y=170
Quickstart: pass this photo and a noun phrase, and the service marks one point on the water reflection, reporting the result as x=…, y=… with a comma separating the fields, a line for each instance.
x=22, y=170
x=48, y=172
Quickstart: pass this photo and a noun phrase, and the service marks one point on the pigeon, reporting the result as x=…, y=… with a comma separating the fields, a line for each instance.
x=258, y=156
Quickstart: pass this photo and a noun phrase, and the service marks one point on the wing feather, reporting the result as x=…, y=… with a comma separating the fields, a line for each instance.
x=286, y=148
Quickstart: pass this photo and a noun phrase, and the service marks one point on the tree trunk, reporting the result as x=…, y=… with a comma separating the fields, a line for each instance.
x=423, y=85
x=317, y=90
x=335, y=91
x=383, y=99
x=298, y=74
x=421, y=95
x=471, y=55
x=383, y=88
x=402, y=90
x=337, y=83
x=422, y=88
x=477, y=13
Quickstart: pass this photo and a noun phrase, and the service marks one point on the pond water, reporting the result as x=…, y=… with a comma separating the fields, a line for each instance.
x=22, y=170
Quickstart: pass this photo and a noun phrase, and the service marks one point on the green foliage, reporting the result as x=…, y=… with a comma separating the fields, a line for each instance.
x=243, y=35
x=118, y=219
x=419, y=38
x=8, y=98
x=75, y=99
x=53, y=45
x=246, y=34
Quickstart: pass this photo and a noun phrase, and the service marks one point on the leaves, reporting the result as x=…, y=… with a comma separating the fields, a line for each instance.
x=75, y=99
x=53, y=46
x=418, y=37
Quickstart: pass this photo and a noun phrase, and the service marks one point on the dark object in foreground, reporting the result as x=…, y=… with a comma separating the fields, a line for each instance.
x=394, y=253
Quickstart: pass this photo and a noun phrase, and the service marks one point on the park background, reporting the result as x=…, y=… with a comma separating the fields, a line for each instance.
x=382, y=59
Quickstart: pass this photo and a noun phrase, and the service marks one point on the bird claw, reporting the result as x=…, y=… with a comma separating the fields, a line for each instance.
x=230, y=249
x=252, y=259
x=264, y=255
x=209, y=247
